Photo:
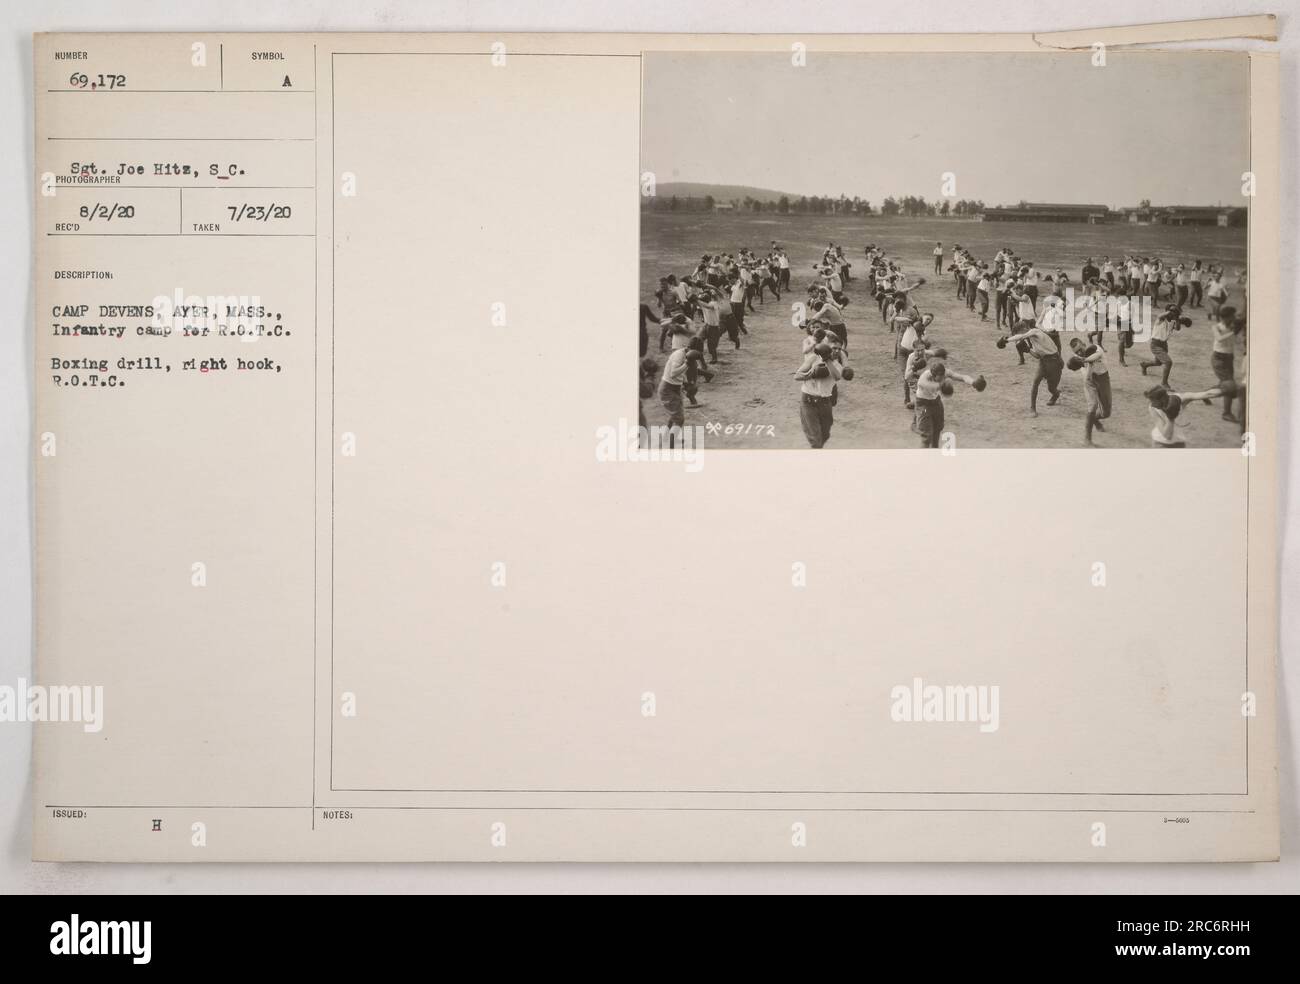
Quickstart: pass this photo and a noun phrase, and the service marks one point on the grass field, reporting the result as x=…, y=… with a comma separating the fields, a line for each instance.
x=755, y=385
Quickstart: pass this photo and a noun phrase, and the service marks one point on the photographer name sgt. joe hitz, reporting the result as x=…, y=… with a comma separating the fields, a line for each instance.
x=37, y=704
x=922, y=702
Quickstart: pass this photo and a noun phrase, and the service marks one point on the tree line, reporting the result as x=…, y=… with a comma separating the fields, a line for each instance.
x=907, y=205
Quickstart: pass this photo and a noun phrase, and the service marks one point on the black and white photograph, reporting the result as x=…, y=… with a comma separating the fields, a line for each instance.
x=338, y=564
x=896, y=250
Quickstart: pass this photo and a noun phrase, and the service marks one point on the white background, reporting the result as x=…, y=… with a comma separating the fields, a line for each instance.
x=23, y=17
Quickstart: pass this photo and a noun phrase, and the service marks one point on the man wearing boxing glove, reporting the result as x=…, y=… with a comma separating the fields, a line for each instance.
x=817, y=376
x=1165, y=325
x=1042, y=348
x=916, y=362
x=932, y=385
x=1223, y=338
x=1092, y=360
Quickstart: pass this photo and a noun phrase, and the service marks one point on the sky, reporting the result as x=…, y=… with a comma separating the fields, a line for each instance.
x=1171, y=127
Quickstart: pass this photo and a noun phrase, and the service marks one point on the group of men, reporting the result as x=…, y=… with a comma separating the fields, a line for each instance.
x=1105, y=303
x=695, y=311
x=1029, y=309
x=927, y=379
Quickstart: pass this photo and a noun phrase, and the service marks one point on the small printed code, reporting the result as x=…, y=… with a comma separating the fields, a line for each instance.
x=718, y=429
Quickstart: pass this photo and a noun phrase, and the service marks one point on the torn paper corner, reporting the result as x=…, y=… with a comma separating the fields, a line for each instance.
x=1260, y=27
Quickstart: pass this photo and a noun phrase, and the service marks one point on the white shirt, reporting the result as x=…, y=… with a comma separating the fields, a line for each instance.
x=1097, y=368
x=675, y=367
x=1179, y=435
x=815, y=387
x=927, y=387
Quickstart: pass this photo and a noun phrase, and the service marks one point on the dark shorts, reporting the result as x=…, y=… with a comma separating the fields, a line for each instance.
x=670, y=396
x=929, y=421
x=816, y=417
x=1049, y=368
x=1221, y=363
x=1098, y=390
x=731, y=326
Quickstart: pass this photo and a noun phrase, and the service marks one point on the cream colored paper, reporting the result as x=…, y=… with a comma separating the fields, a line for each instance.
x=430, y=621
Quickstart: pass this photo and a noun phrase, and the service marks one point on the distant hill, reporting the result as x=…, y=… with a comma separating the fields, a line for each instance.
x=720, y=192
